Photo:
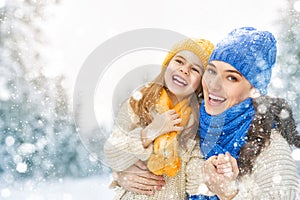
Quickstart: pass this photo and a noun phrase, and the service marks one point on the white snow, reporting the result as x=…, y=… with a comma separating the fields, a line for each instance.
x=94, y=188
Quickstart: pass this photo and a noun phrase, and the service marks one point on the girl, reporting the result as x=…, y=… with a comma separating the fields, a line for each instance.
x=159, y=127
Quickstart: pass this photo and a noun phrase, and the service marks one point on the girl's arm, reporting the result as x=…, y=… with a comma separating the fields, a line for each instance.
x=124, y=147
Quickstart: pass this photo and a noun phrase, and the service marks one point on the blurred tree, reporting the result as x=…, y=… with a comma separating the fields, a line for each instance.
x=37, y=132
x=286, y=78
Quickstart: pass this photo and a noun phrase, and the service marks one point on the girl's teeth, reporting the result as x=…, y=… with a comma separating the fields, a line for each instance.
x=180, y=80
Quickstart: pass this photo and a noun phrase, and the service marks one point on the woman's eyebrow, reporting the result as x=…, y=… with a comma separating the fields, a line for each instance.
x=211, y=64
x=229, y=70
x=234, y=71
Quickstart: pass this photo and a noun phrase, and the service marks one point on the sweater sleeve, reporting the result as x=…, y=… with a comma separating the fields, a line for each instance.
x=124, y=146
x=274, y=174
x=194, y=180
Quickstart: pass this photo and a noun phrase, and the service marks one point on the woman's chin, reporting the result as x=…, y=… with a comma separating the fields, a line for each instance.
x=213, y=110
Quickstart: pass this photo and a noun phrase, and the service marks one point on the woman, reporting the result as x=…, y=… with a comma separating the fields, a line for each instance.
x=159, y=125
x=238, y=118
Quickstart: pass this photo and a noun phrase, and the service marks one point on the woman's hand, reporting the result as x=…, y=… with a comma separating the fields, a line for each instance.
x=227, y=165
x=162, y=123
x=139, y=179
x=220, y=174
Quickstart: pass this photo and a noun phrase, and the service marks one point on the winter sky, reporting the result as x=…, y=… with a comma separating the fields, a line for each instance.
x=76, y=28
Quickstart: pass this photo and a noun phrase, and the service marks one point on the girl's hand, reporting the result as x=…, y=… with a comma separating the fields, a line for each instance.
x=162, y=123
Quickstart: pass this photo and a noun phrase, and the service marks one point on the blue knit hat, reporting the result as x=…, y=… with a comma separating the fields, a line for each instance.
x=251, y=52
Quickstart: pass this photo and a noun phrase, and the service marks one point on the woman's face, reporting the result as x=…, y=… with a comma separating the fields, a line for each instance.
x=223, y=87
x=183, y=74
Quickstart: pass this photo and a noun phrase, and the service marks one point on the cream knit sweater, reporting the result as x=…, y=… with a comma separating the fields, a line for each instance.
x=124, y=148
x=274, y=174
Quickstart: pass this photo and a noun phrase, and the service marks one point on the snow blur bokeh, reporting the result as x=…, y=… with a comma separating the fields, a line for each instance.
x=42, y=155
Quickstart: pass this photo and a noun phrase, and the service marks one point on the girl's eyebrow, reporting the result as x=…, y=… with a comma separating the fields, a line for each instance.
x=179, y=56
x=195, y=64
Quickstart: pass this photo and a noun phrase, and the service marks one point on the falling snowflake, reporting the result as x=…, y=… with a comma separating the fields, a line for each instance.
x=26, y=149
x=137, y=95
x=296, y=154
x=297, y=6
x=5, y=193
x=276, y=179
x=9, y=140
x=284, y=114
x=262, y=108
x=21, y=167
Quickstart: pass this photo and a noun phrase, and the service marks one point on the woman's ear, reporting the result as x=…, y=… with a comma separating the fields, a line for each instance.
x=254, y=93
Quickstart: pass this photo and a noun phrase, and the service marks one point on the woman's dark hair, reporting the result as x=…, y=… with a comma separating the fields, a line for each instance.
x=270, y=113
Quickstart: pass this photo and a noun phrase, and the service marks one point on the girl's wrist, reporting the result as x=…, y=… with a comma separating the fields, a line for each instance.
x=147, y=136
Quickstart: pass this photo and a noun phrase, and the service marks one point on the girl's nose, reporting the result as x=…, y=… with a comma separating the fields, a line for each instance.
x=184, y=69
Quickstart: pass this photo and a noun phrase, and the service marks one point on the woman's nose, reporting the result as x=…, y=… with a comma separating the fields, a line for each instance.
x=214, y=83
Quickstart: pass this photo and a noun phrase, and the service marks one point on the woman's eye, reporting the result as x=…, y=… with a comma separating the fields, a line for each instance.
x=211, y=71
x=232, y=78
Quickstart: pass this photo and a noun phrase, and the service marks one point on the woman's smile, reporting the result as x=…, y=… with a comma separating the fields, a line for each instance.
x=215, y=100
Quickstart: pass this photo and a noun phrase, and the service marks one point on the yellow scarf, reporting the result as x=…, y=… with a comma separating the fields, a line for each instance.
x=165, y=158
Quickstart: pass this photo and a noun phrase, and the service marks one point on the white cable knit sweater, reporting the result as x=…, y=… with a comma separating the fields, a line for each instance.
x=274, y=174
x=124, y=148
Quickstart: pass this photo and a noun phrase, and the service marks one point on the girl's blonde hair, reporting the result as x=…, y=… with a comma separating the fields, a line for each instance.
x=151, y=92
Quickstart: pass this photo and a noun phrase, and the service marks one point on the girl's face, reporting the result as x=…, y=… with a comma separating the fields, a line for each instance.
x=223, y=87
x=183, y=74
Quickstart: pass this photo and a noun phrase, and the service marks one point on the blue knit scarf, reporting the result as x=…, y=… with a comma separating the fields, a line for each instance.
x=224, y=132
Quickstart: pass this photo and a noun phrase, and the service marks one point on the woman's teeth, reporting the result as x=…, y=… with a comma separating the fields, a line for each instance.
x=215, y=98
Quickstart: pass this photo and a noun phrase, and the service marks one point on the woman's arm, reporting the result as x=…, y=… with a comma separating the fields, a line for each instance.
x=137, y=178
x=194, y=178
x=274, y=175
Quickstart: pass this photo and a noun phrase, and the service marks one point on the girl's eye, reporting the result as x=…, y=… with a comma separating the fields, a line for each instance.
x=179, y=61
x=195, y=69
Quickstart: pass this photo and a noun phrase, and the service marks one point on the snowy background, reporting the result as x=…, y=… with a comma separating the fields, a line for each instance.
x=43, y=44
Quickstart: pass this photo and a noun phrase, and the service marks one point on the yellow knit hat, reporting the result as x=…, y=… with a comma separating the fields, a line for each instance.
x=201, y=47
